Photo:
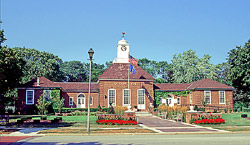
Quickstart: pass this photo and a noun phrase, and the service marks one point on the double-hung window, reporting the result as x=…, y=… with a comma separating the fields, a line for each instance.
x=221, y=97
x=71, y=101
x=29, y=97
x=191, y=98
x=141, y=93
x=91, y=100
x=112, y=96
x=126, y=97
x=46, y=95
x=207, y=97
x=178, y=100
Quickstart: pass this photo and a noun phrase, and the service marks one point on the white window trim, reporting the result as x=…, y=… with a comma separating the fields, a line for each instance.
x=179, y=101
x=32, y=99
x=210, y=96
x=129, y=97
x=108, y=97
x=191, y=100
x=138, y=96
x=91, y=103
x=72, y=101
x=224, y=97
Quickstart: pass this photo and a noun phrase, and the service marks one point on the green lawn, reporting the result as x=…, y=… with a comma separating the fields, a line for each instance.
x=68, y=121
x=233, y=122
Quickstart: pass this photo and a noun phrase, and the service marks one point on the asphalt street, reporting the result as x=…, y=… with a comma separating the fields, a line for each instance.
x=179, y=139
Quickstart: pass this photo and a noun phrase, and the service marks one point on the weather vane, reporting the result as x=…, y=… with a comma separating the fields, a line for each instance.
x=123, y=33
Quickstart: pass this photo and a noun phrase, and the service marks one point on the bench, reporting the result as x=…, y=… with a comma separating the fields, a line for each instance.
x=163, y=115
x=4, y=119
x=177, y=117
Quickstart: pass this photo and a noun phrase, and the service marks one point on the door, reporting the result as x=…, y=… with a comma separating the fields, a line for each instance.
x=141, y=99
x=81, y=101
x=170, y=100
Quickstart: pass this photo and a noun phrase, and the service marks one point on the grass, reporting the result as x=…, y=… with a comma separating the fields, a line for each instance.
x=233, y=122
x=67, y=121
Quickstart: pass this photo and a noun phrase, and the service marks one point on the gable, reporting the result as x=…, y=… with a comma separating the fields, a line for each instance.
x=121, y=70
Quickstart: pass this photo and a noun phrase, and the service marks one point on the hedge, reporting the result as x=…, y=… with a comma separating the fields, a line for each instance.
x=69, y=110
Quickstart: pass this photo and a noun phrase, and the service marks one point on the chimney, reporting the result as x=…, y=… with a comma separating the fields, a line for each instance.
x=38, y=81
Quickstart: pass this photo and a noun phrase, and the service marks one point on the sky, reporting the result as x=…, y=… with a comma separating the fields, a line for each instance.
x=155, y=29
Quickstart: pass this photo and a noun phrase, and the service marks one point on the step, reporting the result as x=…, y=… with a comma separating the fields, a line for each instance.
x=143, y=114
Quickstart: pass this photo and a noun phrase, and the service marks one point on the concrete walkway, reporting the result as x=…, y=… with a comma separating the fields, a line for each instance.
x=168, y=126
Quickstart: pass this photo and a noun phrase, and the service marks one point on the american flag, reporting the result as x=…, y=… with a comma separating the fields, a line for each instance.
x=133, y=60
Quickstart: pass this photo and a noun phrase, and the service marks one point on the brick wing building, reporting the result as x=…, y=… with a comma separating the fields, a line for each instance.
x=118, y=85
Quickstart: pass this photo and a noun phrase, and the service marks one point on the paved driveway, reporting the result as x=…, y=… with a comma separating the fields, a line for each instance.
x=166, y=126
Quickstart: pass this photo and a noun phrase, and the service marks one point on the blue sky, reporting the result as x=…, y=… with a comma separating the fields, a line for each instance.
x=155, y=29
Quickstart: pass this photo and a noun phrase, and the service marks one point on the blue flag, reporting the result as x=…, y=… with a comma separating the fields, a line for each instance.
x=131, y=69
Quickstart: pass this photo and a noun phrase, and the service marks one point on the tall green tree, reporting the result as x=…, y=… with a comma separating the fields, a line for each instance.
x=222, y=71
x=187, y=67
x=39, y=64
x=239, y=61
x=10, y=72
x=73, y=71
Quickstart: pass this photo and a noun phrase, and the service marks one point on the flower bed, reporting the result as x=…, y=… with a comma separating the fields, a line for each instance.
x=209, y=121
x=117, y=122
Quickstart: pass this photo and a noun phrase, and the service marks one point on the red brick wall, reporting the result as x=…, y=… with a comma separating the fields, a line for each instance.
x=104, y=86
x=75, y=95
x=198, y=97
x=21, y=99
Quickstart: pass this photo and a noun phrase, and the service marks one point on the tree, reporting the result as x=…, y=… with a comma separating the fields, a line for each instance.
x=187, y=67
x=239, y=61
x=42, y=104
x=56, y=100
x=222, y=71
x=39, y=64
x=10, y=72
x=96, y=71
x=73, y=71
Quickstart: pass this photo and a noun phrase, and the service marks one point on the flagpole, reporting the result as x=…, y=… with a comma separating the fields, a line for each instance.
x=128, y=74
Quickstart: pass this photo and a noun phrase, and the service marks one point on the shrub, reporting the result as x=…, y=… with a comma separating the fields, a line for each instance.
x=230, y=110
x=243, y=115
x=225, y=110
x=120, y=109
x=238, y=109
x=215, y=111
x=163, y=108
x=244, y=109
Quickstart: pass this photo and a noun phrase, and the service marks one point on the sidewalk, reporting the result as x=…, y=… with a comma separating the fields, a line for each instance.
x=169, y=126
x=5, y=140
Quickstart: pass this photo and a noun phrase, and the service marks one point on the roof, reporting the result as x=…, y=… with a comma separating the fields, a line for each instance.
x=66, y=86
x=209, y=84
x=120, y=71
x=197, y=85
x=170, y=87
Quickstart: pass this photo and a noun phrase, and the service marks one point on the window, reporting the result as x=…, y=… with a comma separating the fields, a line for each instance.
x=126, y=97
x=191, y=98
x=111, y=97
x=178, y=101
x=141, y=93
x=91, y=100
x=207, y=97
x=29, y=97
x=46, y=95
x=71, y=101
x=222, y=97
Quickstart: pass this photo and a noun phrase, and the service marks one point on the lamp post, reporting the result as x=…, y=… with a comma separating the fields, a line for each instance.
x=91, y=53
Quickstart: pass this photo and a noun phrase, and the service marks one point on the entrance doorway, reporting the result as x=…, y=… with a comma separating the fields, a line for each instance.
x=81, y=101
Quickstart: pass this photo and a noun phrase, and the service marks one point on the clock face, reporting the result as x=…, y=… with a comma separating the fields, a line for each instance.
x=123, y=48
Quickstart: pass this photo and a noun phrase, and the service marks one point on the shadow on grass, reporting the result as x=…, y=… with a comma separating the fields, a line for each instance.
x=44, y=124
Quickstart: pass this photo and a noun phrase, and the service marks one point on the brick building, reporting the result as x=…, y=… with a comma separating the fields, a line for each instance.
x=120, y=86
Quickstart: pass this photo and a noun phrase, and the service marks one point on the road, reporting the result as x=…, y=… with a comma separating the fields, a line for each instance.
x=180, y=139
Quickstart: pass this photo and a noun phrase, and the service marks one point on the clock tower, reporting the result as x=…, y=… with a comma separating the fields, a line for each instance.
x=122, y=51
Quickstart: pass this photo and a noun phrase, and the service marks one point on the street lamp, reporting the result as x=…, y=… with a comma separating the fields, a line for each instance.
x=91, y=53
